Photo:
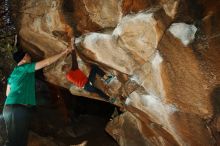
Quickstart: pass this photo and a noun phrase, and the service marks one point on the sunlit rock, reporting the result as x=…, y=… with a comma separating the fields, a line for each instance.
x=131, y=44
x=139, y=34
x=167, y=116
x=137, y=129
x=167, y=75
x=102, y=48
x=149, y=76
x=184, y=32
x=185, y=86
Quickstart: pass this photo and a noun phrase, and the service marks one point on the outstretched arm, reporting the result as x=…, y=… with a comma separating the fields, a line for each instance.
x=43, y=63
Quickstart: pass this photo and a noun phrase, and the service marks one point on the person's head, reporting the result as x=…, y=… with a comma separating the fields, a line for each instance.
x=22, y=57
x=66, y=68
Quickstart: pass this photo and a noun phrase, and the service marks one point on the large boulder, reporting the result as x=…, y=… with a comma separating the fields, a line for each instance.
x=164, y=56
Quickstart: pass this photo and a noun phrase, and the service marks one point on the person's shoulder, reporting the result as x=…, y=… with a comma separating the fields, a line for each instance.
x=29, y=64
x=16, y=71
x=19, y=67
x=26, y=66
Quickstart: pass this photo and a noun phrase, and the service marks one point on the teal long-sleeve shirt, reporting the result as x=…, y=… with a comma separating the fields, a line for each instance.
x=22, y=85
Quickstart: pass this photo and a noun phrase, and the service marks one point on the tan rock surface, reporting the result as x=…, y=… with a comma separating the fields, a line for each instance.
x=136, y=129
x=188, y=83
x=40, y=20
x=134, y=40
x=164, y=54
x=104, y=13
x=83, y=23
x=96, y=14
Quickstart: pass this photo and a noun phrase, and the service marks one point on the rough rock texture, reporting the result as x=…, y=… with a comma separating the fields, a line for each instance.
x=164, y=55
x=96, y=14
x=44, y=32
x=131, y=43
x=192, y=84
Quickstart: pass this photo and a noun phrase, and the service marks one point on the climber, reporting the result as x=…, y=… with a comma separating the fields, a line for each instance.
x=20, y=94
x=79, y=79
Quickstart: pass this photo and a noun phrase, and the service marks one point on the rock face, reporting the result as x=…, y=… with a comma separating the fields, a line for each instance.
x=164, y=55
x=131, y=43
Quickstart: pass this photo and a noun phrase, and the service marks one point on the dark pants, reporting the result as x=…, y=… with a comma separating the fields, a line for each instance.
x=17, y=119
x=89, y=85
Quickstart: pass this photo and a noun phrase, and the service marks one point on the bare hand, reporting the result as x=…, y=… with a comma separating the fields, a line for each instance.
x=67, y=51
x=71, y=48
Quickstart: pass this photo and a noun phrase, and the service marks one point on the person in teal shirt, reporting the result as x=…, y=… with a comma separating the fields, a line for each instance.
x=21, y=96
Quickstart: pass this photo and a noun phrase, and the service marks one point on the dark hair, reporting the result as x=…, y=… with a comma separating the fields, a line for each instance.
x=19, y=55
